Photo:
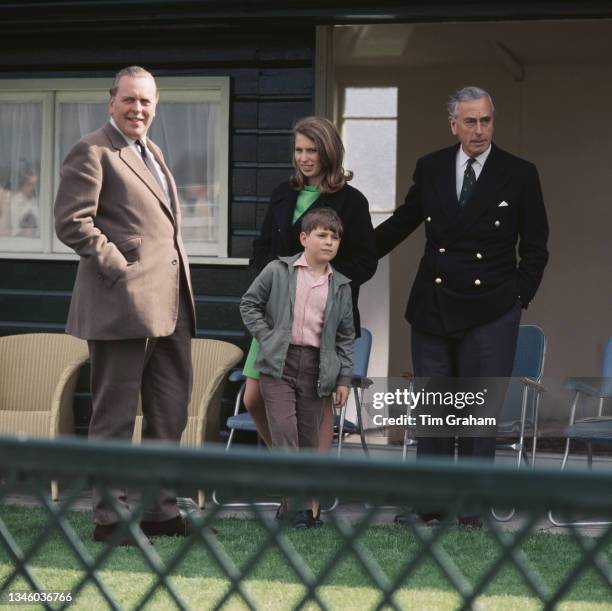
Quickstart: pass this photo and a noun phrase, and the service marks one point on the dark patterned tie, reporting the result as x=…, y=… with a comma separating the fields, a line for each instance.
x=469, y=181
x=147, y=161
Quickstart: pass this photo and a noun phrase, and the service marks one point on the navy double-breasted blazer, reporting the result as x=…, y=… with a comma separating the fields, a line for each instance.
x=280, y=236
x=469, y=273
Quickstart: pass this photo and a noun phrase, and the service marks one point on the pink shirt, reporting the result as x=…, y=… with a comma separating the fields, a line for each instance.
x=309, y=306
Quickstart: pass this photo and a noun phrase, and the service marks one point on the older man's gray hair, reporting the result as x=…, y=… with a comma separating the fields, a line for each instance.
x=467, y=94
x=133, y=71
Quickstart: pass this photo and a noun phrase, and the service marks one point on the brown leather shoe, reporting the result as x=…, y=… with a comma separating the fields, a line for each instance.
x=469, y=521
x=103, y=533
x=174, y=527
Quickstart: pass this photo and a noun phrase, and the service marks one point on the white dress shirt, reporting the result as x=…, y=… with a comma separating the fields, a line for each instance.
x=461, y=163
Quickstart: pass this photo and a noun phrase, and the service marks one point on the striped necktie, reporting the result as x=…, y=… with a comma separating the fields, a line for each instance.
x=147, y=160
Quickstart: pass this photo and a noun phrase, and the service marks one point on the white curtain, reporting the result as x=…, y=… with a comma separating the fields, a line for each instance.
x=78, y=119
x=20, y=154
x=187, y=133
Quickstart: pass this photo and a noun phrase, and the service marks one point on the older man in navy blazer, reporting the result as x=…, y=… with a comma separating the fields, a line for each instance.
x=477, y=202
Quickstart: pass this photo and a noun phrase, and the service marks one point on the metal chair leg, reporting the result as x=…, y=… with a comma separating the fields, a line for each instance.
x=230, y=439
x=360, y=422
x=338, y=454
x=521, y=455
x=534, y=441
x=551, y=517
x=341, y=438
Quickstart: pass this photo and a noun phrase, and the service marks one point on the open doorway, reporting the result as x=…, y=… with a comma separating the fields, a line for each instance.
x=551, y=83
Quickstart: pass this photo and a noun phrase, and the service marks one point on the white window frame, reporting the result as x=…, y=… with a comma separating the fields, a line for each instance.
x=52, y=91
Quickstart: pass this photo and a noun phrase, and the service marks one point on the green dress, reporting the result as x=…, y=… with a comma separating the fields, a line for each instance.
x=306, y=197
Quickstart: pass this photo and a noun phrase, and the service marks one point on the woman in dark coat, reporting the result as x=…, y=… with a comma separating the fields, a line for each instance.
x=319, y=180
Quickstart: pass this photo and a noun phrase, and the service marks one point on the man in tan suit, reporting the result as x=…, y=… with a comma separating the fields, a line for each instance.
x=118, y=208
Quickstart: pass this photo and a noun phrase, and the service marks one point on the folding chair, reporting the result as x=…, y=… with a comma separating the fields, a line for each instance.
x=594, y=430
x=520, y=412
x=359, y=382
x=519, y=415
x=240, y=421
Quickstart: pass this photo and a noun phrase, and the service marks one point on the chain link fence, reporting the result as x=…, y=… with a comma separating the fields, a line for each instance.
x=257, y=561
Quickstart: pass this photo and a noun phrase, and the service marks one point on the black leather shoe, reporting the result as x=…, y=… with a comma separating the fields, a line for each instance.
x=174, y=527
x=426, y=519
x=281, y=510
x=469, y=521
x=103, y=533
x=304, y=519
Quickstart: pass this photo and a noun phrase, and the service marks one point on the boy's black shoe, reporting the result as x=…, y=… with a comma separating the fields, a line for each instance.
x=427, y=519
x=103, y=533
x=281, y=510
x=305, y=519
x=174, y=527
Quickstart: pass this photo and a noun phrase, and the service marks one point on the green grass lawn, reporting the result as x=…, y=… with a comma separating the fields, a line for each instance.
x=274, y=585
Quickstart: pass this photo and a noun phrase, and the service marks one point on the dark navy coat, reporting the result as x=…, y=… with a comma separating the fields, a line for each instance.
x=280, y=237
x=469, y=274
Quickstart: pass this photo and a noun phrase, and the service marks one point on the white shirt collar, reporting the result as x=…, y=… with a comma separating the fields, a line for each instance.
x=463, y=157
x=126, y=138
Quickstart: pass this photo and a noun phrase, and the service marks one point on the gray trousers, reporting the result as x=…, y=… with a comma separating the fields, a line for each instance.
x=293, y=407
x=160, y=371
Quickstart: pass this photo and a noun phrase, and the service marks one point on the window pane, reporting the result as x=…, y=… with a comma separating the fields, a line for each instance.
x=40, y=125
x=370, y=102
x=78, y=119
x=371, y=154
x=188, y=134
x=20, y=154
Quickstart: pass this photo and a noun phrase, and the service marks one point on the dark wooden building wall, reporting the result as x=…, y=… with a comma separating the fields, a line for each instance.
x=272, y=80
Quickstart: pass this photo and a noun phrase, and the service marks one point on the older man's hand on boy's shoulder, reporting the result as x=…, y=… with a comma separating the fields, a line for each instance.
x=341, y=395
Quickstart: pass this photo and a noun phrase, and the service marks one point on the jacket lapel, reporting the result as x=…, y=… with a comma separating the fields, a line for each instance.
x=129, y=156
x=491, y=179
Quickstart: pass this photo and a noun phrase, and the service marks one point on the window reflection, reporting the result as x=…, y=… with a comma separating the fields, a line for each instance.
x=20, y=150
x=186, y=134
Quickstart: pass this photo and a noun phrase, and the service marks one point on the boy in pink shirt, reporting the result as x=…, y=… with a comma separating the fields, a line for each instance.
x=300, y=311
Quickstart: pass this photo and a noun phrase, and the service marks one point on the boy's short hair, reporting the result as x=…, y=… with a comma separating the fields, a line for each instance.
x=322, y=217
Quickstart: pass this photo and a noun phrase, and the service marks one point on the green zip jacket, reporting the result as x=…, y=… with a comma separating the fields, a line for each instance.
x=268, y=315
